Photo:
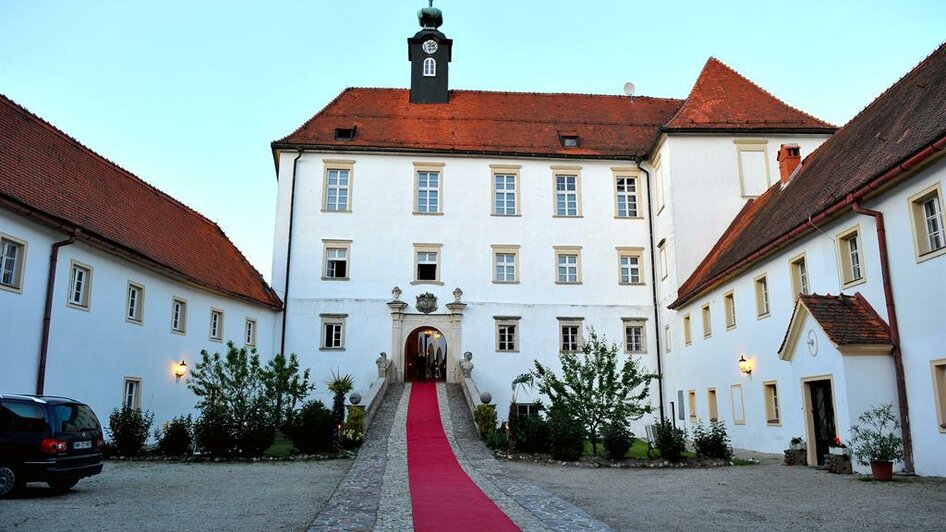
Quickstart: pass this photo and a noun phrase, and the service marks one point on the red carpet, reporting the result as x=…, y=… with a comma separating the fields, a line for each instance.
x=442, y=496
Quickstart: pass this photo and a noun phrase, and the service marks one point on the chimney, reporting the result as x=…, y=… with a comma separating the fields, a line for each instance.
x=789, y=157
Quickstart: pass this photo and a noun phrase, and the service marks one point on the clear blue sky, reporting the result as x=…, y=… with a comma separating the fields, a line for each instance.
x=188, y=95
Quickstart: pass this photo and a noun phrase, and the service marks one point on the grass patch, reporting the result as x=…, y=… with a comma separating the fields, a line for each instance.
x=281, y=447
x=638, y=450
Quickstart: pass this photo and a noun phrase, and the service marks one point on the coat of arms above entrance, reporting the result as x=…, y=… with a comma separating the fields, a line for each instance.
x=426, y=303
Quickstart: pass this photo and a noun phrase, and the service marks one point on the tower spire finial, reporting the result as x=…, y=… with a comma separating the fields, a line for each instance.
x=430, y=17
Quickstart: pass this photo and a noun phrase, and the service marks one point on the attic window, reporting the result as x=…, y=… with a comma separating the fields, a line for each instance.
x=569, y=140
x=344, y=133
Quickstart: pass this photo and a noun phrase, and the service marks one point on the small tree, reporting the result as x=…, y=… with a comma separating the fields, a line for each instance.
x=340, y=385
x=285, y=387
x=129, y=428
x=234, y=381
x=875, y=438
x=594, y=389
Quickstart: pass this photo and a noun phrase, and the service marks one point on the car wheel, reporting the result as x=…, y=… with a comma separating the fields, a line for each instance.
x=63, y=484
x=7, y=480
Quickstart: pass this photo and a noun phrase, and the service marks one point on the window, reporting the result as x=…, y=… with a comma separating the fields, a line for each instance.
x=568, y=265
x=929, y=235
x=507, y=334
x=707, y=322
x=337, y=186
x=634, y=336
x=658, y=184
x=569, y=140
x=333, y=332
x=712, y=404
x=430, y=67
x=567, y=191
x=630, y=262
x=666, y=338
x=336, y=259
x=662, y=252
x=505, y=264
x=852, y=264
x=625, y=196
x=528, y=409
x=772, y=414
x=761, y=296
x=687, y=334
x=505, y=182
x=691, y=404
x=249, y=332
x=427, y=263
x=17, y=417
x=738, y=405
x=753, y=164
x=729, y=304
x=12, y=255
x=939, y=385
x=131, y=393
x=179, y=316
x=80, y=285
x=570, y=339
x=427, y=188
x=345, y=133
x=134, y=311
x=799, y=276
x=216, y=325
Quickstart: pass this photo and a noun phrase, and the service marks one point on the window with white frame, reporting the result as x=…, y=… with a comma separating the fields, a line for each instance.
x=852, y=262
x=658, y=184
x=179, y=315
x=12, y=255
x=666, y=338
x=216, y=325
x=799, y=269
x=753, y=164
x=505, y=192
x=333, y=332
x=80, y=285
x=729, y=304
x=926, y=209
x=570, y=339
x=131, y=393
x=507, y=334
x=625, y=192
x=939, y=385
x=687, y=330
x=430, y=67
x=630, y=261
x=770, y=392
x=337, y=186
x=427, y=191
x=568, y=265
x=634, y=336
x=336, y=260
x=738, y=404
x=662, y=254
x=567, y=195
x=427, y=263
x=134, y=309
x=762, y=296
x=506, y=264
x=712, y=404
x=707, y=321
x=249, y=332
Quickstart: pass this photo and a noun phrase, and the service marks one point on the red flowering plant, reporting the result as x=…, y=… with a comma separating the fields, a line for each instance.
x=837, y=443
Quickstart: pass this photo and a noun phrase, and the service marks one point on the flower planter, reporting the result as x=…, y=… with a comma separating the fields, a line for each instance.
x=842, y=451
x=882, y=470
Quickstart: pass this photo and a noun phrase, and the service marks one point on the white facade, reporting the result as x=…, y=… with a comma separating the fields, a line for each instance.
x=93, y=351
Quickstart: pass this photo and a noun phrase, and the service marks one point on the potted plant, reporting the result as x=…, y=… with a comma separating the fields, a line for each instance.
x=838, y=447
x=876, y=441
x=797, y=443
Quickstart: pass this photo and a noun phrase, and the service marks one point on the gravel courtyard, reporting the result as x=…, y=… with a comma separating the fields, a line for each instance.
x=760, y=497
x=182, y=496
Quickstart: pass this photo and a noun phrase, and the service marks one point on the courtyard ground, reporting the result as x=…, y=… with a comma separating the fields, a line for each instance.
x=182, y=496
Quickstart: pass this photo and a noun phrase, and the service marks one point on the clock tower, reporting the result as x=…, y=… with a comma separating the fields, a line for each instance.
x=429, y=52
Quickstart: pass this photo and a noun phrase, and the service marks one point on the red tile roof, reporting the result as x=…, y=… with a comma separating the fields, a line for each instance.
x=51, y=177
x=500, y=123
x=847, y=320
x=722, y=99
x=906, y=122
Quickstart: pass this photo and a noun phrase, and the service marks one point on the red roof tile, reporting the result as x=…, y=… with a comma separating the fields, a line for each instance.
x=52, y=177
x=847, y=320
x=906, y=119
x=722, y=99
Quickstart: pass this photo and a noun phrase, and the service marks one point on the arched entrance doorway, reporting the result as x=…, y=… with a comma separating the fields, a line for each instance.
x=425, y=355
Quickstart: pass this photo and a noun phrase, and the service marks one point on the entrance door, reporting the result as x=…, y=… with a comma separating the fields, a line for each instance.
x=425, y=355
x=822, y=417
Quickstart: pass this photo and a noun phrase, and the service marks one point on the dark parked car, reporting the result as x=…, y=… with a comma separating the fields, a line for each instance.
x=47, y=439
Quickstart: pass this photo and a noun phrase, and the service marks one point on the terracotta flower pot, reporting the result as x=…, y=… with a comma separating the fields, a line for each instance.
x=882, y=470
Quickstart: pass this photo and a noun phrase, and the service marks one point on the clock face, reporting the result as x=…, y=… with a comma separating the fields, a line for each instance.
x=812, y=343
x=430, y=46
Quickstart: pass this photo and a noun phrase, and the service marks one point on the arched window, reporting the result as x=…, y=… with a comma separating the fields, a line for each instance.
x=430, y=67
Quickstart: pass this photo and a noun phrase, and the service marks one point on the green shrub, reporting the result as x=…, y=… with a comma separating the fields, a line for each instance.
x=353, y=433
x=617, y=440
x=712, y=442
x=497, y=440
x=875, y=438
x=670, y=440
x=485, y=418
x=176, y=437
x=532, y=434
x=311, y=430
x=256, y=433
x=212, y=432
x=566, y=436
x=128, y=429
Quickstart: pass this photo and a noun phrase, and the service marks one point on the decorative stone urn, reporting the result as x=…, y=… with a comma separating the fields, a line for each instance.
x=354, y=398
x=486, y=398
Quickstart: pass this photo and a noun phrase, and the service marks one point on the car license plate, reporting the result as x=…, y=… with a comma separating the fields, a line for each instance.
x=82, y=445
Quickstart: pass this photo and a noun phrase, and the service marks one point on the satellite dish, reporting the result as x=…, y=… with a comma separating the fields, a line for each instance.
x=629, y=89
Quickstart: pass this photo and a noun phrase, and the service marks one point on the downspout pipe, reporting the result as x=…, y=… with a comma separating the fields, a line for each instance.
x=894, y=331
x=48, y=310
x=285, y=294
x=653, y=286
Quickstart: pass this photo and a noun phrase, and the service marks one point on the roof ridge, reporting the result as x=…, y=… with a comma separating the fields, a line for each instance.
x=534, y=93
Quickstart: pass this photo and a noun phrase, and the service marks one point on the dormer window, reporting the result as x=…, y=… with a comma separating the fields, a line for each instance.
x=430, y=67
x=569, y=140
x=344, y=133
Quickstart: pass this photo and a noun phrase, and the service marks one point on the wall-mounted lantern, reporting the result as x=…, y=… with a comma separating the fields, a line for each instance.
x=180, y=369
x=744, y=365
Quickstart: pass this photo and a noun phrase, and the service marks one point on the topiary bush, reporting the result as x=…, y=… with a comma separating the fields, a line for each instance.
x=176, y=438
x=532, y=434
x=671, y=441
x=712, y=442
x=566, y=437
x=212, y=432
x=485, y=418
x=311, y=429
x=128, y=429
x=617, y=440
